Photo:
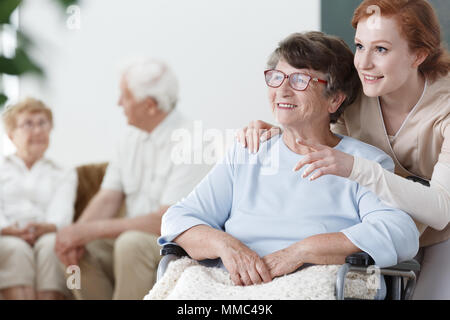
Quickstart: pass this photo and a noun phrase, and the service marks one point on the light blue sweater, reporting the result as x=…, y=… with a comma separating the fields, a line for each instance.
x=258, y=199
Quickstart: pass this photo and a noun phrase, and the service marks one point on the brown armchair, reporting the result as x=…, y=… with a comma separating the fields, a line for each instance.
x=90, y=177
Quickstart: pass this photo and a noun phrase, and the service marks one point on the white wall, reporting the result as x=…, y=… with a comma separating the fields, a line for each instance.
x=218, y=49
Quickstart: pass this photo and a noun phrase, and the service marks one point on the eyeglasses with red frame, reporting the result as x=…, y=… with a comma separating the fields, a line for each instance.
x=297, y=80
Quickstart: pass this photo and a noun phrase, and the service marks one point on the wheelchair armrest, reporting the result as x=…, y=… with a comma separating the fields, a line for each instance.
x=171, y=248
x=361, y=262
x=172, y=252
x=409, y=265
x=169, y=252
x=362, y=259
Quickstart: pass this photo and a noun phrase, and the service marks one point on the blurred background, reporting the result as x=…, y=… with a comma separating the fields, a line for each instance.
x=69, y=54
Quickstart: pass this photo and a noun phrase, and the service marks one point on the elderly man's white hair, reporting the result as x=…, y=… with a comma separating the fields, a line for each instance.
x=152, y=78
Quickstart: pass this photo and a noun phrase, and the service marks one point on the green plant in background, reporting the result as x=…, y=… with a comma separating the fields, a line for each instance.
x=19, y=62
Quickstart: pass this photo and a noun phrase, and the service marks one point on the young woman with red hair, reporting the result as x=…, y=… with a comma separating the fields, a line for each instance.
x=405, y=111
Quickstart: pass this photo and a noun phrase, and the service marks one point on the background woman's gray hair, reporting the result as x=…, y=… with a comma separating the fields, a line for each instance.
x=152, y=78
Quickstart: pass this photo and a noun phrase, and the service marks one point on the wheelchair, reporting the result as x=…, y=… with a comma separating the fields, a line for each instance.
x=400, y=279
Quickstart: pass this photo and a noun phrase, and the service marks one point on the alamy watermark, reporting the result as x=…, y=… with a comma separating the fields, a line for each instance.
x=74, y=20
x=373, y=281
x=374, y=21
x=74, y=278
x=197, y=145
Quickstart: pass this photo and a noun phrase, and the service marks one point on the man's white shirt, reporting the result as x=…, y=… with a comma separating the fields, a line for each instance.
x=145, y=171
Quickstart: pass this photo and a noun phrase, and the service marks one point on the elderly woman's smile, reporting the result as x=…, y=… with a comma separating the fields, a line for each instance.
x=296, y=96
x=286, y=106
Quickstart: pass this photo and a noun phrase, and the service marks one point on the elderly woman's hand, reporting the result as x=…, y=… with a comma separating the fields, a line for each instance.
x=22, y=233
x=14, y=231
x=324, y=160
x=256, y=132
x=282, y=262
x=244, y=265
x=34, y=230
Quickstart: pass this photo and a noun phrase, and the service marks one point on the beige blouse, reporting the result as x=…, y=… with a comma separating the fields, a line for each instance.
x=420, y=148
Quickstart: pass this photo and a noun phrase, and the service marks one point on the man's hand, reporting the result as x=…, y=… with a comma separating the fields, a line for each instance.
x=69, y=239
x=244, y=265
x=283, y=262
x=72, y=257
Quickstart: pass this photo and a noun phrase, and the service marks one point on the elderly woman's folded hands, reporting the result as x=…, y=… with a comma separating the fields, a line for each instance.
x=245, y=266
x=13, y=230
x=30, y=233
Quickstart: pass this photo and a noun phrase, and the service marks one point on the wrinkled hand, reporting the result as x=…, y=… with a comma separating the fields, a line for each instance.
x=282, y=262
x=68, y=239
x=244, y=265
x=72, y=256
x=29, y=237
x=14, y=231
x=324, y=160
x=34, y=230
x=22, y=233
x=256, y=132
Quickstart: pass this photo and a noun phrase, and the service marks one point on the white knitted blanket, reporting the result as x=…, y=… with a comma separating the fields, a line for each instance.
x=186, y=279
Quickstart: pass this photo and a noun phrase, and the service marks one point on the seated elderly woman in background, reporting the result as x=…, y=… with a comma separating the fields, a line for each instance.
x=261, y=218
x=36, y=198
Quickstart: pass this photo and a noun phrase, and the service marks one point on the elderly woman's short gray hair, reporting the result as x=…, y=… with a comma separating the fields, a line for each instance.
x=324, y=53
x=152, y=78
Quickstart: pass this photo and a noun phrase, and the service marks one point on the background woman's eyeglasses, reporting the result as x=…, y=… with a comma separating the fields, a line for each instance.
x=30, y=125
x=297, y=81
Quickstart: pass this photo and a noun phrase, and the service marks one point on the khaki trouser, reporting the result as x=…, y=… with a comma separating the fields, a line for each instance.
x=433, y=282
x=37, y=266
x=124, y=268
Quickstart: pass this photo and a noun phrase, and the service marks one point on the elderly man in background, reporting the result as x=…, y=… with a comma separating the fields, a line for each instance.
x=118, y=257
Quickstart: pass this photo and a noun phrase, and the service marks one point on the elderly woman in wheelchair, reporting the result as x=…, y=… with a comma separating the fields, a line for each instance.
x=264, y=220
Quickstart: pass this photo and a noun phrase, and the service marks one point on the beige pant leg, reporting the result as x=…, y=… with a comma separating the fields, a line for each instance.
x=136, y=258
x=96, y=271
x=49, y=276
x=17, y=267
x=434, y=279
